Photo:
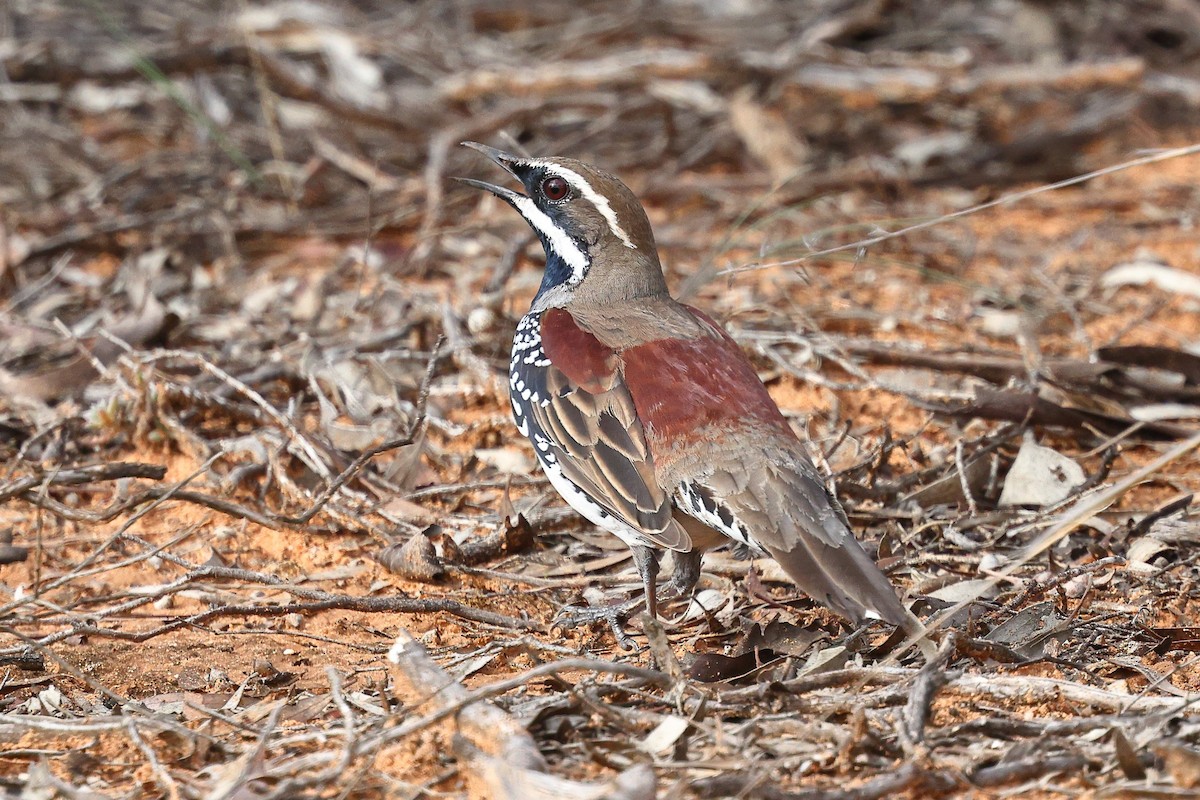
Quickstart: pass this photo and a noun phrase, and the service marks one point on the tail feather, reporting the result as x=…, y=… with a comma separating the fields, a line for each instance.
x=787, y=512
x=841, y=577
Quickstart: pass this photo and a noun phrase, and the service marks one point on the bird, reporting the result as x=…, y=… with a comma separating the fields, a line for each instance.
x=647, y=417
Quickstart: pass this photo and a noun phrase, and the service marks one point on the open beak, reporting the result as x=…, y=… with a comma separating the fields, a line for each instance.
x=505, y=161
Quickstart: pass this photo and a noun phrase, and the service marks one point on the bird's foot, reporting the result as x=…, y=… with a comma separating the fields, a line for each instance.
x=614, y=615
x=685, y=576
x=678, y=590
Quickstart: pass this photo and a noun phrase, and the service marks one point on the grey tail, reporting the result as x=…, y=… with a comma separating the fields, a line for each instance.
x=791, y=515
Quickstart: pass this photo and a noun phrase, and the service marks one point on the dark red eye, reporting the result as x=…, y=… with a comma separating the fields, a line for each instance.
x=555, y=188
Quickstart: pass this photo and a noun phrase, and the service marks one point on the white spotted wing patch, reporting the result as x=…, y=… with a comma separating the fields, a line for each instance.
x=527, y=377
x=527, y=368
x=697, y=501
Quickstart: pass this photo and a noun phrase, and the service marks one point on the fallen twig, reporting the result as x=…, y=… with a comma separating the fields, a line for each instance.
x=495, y=749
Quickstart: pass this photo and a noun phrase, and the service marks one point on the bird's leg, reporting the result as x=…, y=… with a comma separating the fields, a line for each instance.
x=646, y=560
x=687, y=572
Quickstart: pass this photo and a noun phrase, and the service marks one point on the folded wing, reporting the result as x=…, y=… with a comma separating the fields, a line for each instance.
x=583, y=422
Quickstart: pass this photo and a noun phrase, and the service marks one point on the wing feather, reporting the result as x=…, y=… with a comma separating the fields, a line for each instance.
x=598, y=441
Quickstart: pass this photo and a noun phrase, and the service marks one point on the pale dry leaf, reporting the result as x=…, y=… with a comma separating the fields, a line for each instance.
x=949, y=488
x=93, y=98
x=271, y=294
x=1181, y=762
x=259, y=711
x=350, y=438
x=307, y=709
x=825, y=660
x=1027, y=631
x=917, y=153
x=16, y=247
x=1142, y=552
x=964, y=590
x=48, y=701
x=42, y=784
x=274, y=17
x=352, y=76
x=784, y=638
x=366, y=703
x=1158, y=412
x=1039, y=477
x=338, y=572
x=408, y=511
x=695, y=95
x=999, y=323
x=498, y=779
x=665, y=735
x=472, y=665
x=64, y=372
x=708, y=602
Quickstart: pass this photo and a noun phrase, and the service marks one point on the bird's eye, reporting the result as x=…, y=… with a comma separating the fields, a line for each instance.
x=555, y=188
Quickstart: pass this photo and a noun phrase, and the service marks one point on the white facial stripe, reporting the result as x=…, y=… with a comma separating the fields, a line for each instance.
x=560, y=243
x=591, y=195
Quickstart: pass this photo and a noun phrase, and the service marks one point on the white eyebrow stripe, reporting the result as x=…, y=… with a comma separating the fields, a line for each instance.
x=562, y=244
x=591, y=195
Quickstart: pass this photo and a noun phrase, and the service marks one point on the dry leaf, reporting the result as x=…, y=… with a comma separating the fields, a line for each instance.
x=416, y=559
x=665, y=735
x=506, y=460
x=1039, y=476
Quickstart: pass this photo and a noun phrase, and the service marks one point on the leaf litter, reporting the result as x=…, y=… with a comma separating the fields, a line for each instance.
x=256, y=434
